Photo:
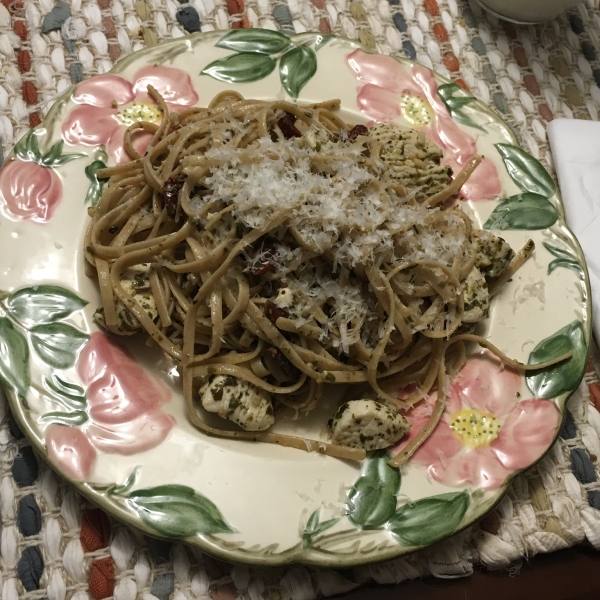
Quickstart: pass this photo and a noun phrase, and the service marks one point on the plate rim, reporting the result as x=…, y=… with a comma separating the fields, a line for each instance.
x=297, y=555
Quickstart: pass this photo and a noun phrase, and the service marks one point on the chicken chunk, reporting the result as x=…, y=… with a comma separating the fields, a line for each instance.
x=135, y=281
x=411, y=159
x=492, y=253
x=476, y=297
x=239, y=401
x=367, y=424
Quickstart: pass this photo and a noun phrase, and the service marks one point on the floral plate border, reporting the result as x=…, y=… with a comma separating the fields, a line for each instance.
x=373, y=503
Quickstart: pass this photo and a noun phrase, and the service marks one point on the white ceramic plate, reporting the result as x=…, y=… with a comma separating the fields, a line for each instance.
x=114, y=423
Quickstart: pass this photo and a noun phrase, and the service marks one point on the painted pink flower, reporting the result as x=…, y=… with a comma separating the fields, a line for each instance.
x=124, y=399
x=388, y=85
x=69, y=448
x=29, y=191
x=109, y=104
x=486, y=432
x=124, y=408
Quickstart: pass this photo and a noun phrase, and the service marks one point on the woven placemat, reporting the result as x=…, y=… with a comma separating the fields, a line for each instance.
x=55, y=545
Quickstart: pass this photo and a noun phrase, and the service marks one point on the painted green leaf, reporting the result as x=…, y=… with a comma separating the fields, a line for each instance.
x=556, y=251
x=262, y=41
x=121, y=490
x=96, y=185
x=58, y=344
x=43, y=304
x=72, y=419
x=314, y=528
x=460, y=117
x=448, y=91
x=28, y=148
x=567, y=263
x=523, y=211
x=177, y=511
x=564, y=377
x=296, y=68
x=563, y=259
x=240, y=68
x=455, y=99
x=527, y=172
x=322, y=40
x=460, y=102
x=55, y=157
x=53, y=154
x=430, y=519
x=372, y=499
x=33, y=146
x=69, y=394
x=14, y=358
x=313, y=521
x=65, y=388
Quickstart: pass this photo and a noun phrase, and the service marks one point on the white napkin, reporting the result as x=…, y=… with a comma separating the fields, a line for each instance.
x=576, y=150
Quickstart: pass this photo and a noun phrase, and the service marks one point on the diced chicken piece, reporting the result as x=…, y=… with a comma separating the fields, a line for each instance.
x=310, y=139
x=476, y=297
x=492, y=253
x=239, y=401
x=135, y=281
x=285, y=298
x=296, y=303
x=412, y=159
x=367, y=424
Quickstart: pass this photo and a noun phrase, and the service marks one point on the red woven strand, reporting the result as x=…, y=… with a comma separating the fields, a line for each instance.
x=102, y=578
x=95, y=530
x=594, y=388
x=451, y=62
x=432, y=8
x=440, y=32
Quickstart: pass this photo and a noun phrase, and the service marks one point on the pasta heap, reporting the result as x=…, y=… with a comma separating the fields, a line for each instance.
x=270, y=248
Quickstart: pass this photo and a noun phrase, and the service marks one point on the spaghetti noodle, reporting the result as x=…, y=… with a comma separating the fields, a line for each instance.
x=268, y=249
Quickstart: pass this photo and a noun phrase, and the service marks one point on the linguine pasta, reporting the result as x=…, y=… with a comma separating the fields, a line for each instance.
x=274, y=247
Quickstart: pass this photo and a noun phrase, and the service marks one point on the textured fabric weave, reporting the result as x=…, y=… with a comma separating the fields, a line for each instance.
x=53, y=544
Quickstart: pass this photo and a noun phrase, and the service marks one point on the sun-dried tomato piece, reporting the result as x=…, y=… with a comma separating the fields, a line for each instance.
x=274, y=312
x=170, y=189
x=356, y=131
x=263, y=268
x=287, y=124
x=267, y=250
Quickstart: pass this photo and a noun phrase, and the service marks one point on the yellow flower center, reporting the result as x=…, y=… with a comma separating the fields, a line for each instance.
x=416, y=110
x=135, y=112
x=475, y=428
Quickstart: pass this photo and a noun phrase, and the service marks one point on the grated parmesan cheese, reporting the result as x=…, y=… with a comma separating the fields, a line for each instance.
x=334, y=203
x=341, y=208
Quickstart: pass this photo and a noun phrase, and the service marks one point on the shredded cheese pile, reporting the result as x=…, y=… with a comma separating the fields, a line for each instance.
x=341, y=209
x=331, y=194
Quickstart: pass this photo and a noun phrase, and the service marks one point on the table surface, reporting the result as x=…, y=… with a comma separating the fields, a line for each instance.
x=572, y=574
x=530, y=75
